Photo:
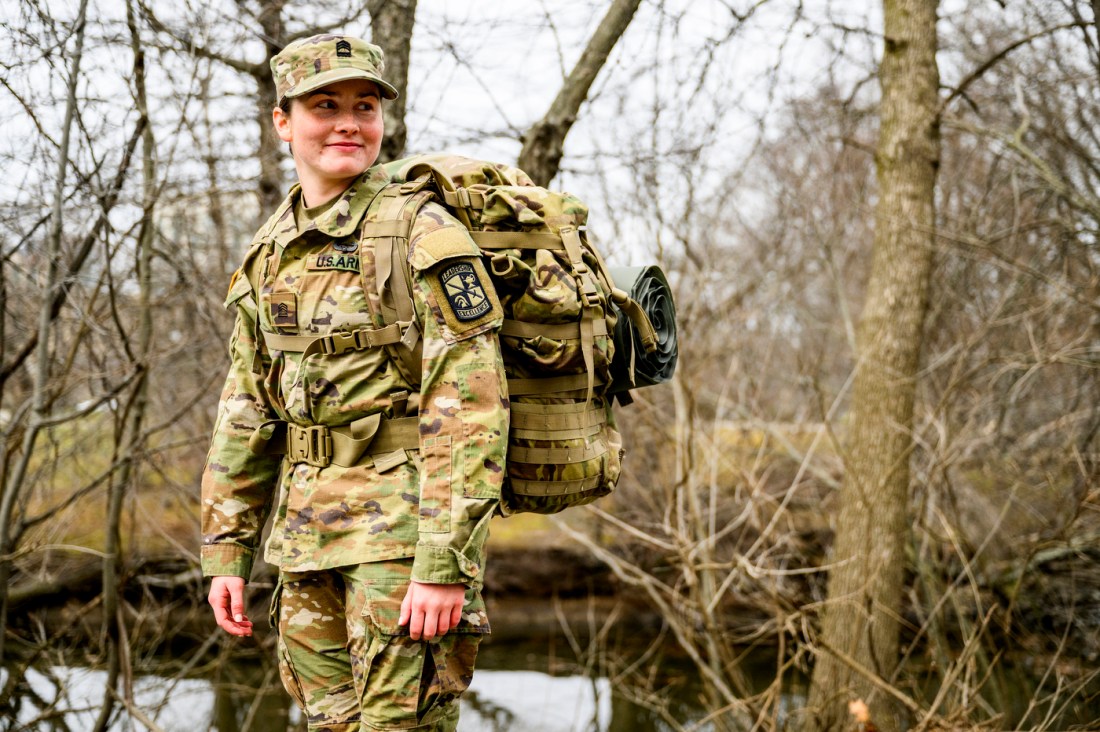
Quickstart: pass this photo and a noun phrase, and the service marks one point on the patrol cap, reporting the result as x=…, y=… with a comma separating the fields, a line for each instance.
x=311, y=63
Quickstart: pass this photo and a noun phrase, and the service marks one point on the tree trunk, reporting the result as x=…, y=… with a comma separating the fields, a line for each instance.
x=544, y=142
x=271, y=183
x=226, y=259
x=130, y=442
x=39, y=411
x=391, y=23
x=865, y=591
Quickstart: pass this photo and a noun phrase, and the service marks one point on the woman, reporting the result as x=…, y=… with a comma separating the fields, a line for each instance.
x=382, y=482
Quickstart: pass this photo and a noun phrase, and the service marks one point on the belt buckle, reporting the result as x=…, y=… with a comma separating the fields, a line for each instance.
x=310, y=445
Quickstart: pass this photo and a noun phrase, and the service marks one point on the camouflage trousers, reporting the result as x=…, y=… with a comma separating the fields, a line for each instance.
x=348, y=664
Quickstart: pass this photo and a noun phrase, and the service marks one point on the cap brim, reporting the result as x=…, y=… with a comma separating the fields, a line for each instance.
x=334, y=75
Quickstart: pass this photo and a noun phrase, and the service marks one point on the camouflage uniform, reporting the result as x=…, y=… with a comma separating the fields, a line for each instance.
x=348, y=539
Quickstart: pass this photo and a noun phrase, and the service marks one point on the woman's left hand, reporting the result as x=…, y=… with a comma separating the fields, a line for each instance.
x=431, y=610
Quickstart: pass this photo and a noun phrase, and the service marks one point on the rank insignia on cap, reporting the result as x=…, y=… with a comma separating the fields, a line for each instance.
x=464, y=292
x=343, y=49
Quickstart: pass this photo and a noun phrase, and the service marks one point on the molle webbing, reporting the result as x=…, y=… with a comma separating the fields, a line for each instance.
x=560, y=331
x=559, y=323
x=536, y=488
x=555, y=424
x=555, y=421
x=570, y=385
x=557, y=453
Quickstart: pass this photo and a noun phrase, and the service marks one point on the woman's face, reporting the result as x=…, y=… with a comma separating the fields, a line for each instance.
x=335, y=134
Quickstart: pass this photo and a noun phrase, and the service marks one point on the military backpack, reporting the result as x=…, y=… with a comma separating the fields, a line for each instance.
x=562, y=318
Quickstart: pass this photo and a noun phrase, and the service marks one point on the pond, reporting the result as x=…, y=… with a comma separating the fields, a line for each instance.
x=535, y=674
x=246, y=696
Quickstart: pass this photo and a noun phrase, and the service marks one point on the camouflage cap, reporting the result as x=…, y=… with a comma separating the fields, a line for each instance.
x=311, y=63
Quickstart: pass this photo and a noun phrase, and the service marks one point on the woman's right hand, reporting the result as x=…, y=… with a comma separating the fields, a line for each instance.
x=227, y=599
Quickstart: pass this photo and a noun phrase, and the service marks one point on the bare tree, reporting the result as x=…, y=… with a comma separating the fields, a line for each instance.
x=544, y=142
x=392, y=24
x=270, y=28
x=39, y=407
x=130, y=440
x=860, y=633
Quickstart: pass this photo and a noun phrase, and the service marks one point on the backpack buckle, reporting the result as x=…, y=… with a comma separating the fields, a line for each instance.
x=415, y=186
x=336, y=343
x=590, y=294
x=310, y=445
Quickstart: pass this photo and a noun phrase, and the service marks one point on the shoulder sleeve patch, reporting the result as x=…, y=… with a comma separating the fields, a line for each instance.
x=464, y=296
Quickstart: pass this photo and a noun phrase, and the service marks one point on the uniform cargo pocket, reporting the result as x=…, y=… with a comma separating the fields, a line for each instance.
x=383, y=609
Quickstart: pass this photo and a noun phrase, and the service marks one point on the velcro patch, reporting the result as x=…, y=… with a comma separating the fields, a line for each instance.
x=327, y=260
x=283, y=307
x=464, y=296
x=464, y=291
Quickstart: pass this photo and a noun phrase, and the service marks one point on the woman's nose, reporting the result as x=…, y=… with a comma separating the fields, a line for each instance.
x=346, y=122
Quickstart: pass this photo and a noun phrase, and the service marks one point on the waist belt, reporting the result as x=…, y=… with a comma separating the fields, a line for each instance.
x=384, y=440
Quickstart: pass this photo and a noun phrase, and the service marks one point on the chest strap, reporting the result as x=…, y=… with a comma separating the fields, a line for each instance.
x=384, y=440
x=335, y=344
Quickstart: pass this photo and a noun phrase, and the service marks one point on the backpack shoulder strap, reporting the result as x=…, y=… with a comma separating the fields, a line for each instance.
x=386, y=232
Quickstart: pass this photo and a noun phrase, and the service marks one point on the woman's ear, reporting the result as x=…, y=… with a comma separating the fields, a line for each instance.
x=281, y=121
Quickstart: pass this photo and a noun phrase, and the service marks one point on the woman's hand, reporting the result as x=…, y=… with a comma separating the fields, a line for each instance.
x=431, y=610
x=227, y=599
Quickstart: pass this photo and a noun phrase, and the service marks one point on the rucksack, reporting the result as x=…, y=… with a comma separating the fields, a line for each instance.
x=560, y=312
x=563, y=316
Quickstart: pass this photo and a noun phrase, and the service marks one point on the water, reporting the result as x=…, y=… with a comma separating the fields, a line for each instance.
x=497, y=700
x=529, y=679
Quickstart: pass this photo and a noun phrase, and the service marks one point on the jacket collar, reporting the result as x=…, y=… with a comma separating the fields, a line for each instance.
x=341, y=219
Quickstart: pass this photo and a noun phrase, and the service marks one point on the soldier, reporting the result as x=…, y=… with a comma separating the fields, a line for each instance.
x=382, y=482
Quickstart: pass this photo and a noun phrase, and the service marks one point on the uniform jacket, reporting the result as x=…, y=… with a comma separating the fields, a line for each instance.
x=433, y=505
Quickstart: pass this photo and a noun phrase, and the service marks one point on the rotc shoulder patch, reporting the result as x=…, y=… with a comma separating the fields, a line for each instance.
x=464, y=295
x=464, y=291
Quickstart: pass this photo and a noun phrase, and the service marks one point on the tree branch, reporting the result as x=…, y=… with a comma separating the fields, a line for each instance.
x=109, y=199
x=996, y=58
x=544, y=143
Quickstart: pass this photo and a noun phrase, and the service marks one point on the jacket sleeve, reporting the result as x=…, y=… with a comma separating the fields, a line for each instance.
x=238, y=485
x=463, y=403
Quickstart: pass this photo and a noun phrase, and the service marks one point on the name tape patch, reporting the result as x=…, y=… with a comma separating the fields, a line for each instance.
x=464, y=292
x=347, y=262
